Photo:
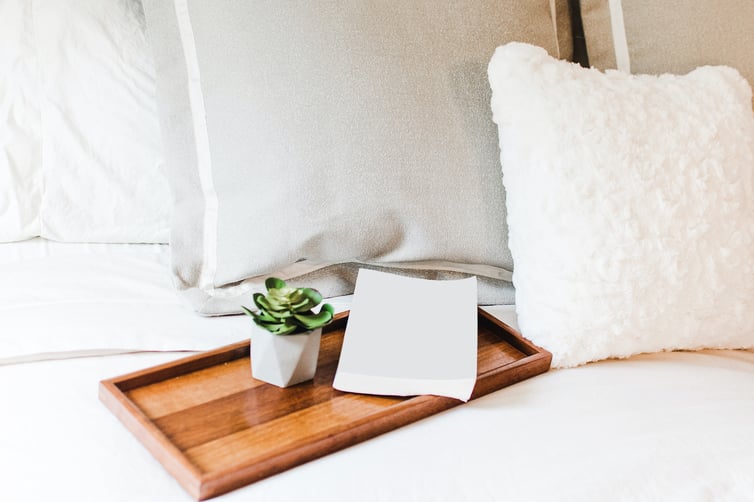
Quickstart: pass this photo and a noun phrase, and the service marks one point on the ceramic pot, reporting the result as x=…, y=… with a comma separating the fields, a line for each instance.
x=284, y=360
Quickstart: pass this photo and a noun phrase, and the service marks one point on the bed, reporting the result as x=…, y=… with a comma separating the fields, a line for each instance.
x=667, y=426
x=108, y=243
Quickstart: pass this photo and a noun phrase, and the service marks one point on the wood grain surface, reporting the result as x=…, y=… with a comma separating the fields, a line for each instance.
x=215, y=428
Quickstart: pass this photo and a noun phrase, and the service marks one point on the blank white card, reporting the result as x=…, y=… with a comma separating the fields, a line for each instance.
x=409, y=336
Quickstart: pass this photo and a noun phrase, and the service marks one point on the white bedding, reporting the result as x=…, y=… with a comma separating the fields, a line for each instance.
x=667, y=426
x=63, y=299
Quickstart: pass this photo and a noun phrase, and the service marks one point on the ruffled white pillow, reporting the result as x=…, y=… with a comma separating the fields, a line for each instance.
x=630, y=203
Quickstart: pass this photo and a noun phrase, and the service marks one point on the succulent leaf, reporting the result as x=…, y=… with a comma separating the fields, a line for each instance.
x=314, y=296
x=260, y=316
x=285, y=310
x=314, y=321
x=274, y=303
x=248, y=312
x=260, y=301
x=274, y=283
x=279, y=329
x=281, y=295
x=289, y=330
x=304, y=306
x=328, y=308
x=279, y=314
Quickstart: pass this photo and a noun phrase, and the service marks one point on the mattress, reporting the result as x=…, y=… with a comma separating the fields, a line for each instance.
x=665, y=426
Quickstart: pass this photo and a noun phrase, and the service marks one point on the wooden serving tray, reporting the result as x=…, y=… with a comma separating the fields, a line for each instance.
x=215, y=428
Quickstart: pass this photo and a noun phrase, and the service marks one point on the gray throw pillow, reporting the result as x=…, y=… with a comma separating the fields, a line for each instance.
x=672, y=36
x=308, y=138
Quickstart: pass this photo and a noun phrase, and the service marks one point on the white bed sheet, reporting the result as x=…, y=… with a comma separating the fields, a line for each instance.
x=668, y=426
x=65, y=300
x=69, y=300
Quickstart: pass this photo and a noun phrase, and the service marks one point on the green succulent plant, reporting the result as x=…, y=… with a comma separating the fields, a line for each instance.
x=285, y=310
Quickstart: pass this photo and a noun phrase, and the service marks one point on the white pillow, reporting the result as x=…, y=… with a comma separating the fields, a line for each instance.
x=630, y=203
x=88, y=161
x=20, y=141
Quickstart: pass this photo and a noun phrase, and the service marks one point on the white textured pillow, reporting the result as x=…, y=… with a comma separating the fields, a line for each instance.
x=630, y=204
x=83, y=156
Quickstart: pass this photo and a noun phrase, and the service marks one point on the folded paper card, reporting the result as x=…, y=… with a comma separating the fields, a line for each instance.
x=408, y=336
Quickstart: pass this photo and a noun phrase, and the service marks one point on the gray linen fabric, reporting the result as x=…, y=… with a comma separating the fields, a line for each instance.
x=307, y=138
x=671, y=36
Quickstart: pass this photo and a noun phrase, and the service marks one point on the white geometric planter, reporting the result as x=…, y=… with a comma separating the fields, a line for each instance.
x=284, y=360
